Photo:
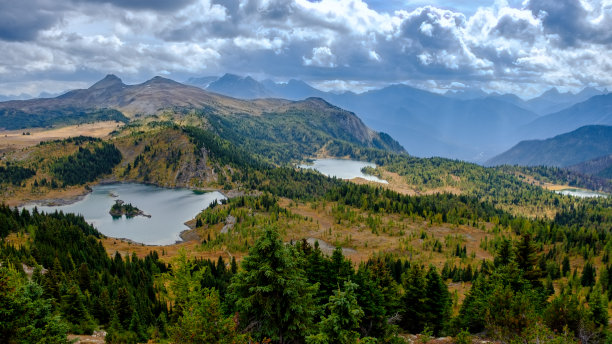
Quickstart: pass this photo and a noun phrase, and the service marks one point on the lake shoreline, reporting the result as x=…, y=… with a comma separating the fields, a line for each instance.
x=68, y=200
x=346, y=169
x=142, y=203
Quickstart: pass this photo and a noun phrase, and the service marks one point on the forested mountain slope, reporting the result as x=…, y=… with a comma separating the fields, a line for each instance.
x=572, y=148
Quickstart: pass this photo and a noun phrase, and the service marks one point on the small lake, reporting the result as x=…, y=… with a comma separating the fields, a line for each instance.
x=343, y=169
x=169, y=210
x=581, y=193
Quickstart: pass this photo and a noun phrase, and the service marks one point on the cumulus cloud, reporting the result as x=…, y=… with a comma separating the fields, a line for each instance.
x=524, y=46
x=321, y=57
x=22, y=20
x=575, y=21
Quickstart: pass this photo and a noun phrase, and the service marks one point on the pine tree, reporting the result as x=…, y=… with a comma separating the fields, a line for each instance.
x=271, y=292
x=74, y=310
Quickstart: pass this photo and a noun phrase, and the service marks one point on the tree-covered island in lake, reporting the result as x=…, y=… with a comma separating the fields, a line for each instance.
x=121, y=208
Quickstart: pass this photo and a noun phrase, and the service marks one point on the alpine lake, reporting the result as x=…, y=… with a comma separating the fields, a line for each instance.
x=168, y=209
x=343, y=169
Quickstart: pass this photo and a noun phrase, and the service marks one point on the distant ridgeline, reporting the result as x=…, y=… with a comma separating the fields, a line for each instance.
x=298, y=133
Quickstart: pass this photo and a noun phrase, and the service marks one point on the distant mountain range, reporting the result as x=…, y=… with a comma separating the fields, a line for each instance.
x=576, y=147
x=595, y=110
x=548, y=102
x=469, y=125
x=110, y=98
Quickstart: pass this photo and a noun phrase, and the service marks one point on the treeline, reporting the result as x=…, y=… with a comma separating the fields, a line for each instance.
x=86, y=164
x=15, y=174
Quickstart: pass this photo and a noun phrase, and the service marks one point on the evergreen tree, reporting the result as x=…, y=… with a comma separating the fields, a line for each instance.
x=527, y=258
x=84, y=278
x=379, y=297
x=103, y=307
x=123, y=308
x=563, y=311
x=504, y=253
x=438, y=303
x=588, y=275
x=271, y=292
x=25, y=315
x=341, y=326
x=413, y=301
x=74, y=311
x=598, y=307
x=197, y=310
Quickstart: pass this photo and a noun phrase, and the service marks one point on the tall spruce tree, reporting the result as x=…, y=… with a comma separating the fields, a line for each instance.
x=527, y=259
x=504, y=253
x=413, y=301
x=438, y=303
x=342, y=323
x=271, y=293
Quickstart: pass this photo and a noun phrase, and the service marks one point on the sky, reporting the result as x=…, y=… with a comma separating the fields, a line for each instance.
x=507, y=46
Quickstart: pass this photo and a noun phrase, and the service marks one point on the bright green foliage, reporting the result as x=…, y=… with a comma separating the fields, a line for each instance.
x=197, y=309
x=463, y=337
x=503, y=303
x=538, y=333
x=340, y=326
x=271, y=292
x=25, y=315
x=598, y=307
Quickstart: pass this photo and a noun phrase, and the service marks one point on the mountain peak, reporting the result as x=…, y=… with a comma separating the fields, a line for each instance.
x=109, y=81
x=239, y=87
x=160, y=80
